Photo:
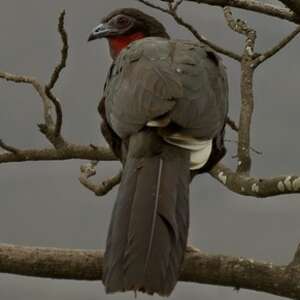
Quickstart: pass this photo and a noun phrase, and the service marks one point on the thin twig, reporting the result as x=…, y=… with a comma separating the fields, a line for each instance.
x=255, y=6
x=64, y=52
x=196, y=34
x=263, y=57
x=40, y=90
x=241, y=27
x=174, y=5
x=204, y=40
x=58, y=110
x=296, y=260
x=9, y=148
x=293, y=5
x=147, y=3
x=104, y=187
x=177, y=4
x=56, y=73
x=48, y=127
x=251, y=148
x=232, y=124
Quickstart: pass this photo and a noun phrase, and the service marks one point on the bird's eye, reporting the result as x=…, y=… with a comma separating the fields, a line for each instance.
x=122, y=21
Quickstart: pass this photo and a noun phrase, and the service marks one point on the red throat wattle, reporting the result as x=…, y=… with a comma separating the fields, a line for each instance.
x=118, y=43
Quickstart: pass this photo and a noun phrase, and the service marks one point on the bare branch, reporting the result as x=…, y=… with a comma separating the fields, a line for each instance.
x=40, y=90
x=238, y=183
x=47, y=128
x=251, y=148
x=148, y=3
x=58, y=110
x=70, y=151
x=241, y=27
x=8, y=148
x=296, y=260
x=293, y=5
x=104, y=187
x=198, y=267
x=204, y=40
x=56, y=141
x=247, y=98
x=256, y=187
x=173, y=12
x=56, y=73
x=232, y=124
x=255, y=6
x=50, y=129
x=177, y=4
x=263, y=57
x=247, y=107
x=64, y=52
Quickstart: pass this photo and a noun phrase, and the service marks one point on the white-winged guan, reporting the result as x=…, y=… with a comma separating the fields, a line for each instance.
x=164, y=110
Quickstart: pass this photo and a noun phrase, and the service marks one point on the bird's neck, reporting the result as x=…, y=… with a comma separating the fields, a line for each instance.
x=118, y=43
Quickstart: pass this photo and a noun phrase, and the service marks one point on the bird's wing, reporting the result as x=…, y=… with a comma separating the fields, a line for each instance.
x=156, y=77
x=139, y=89
x=202, y=110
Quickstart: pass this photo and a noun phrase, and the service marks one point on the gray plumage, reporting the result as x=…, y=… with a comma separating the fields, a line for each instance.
x=148, y=232
x=152, y=78
x=155, y=76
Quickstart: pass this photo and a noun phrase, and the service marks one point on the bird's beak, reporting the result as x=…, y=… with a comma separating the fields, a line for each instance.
x=101, y=31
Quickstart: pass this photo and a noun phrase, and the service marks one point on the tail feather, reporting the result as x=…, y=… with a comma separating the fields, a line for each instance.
x=148, y=231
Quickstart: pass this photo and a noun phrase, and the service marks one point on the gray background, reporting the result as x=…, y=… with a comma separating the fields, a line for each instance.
x=43, y=204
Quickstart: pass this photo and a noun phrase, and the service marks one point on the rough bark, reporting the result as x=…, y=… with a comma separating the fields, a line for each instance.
x=198, y=267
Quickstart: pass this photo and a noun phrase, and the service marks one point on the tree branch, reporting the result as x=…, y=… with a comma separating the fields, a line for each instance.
x=238, y=183
x=247, y=98
x=232, y=124
x=172, y=11
x=40, y=90
x=296, y=260
x=255, y=6
x=104, y=187
x=245, y=185
x=251, y=148
x=263, y=57
x=64, y=52
x=56, y=73
x=198, y=267
x=70, y=151
x=293, y=5
x=8, y=148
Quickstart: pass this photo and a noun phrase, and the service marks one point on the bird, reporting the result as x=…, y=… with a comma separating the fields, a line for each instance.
x=164, y=110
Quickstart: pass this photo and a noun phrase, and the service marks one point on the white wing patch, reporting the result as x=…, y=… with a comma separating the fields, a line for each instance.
x=200, y=149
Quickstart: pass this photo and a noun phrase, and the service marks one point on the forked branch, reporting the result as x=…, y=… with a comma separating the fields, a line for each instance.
x=172, y=11
x=198, y=267
x=88, y=171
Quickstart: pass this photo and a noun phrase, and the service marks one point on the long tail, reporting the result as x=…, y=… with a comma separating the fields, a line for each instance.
x=149, y=225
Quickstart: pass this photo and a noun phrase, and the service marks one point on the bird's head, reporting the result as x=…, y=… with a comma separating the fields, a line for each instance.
x=123, y=26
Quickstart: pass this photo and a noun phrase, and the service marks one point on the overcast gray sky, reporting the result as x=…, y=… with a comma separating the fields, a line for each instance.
x=43, y=204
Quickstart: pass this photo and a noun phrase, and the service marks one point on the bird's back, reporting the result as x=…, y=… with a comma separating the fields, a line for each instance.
x=156, y=77
x=168, y=98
